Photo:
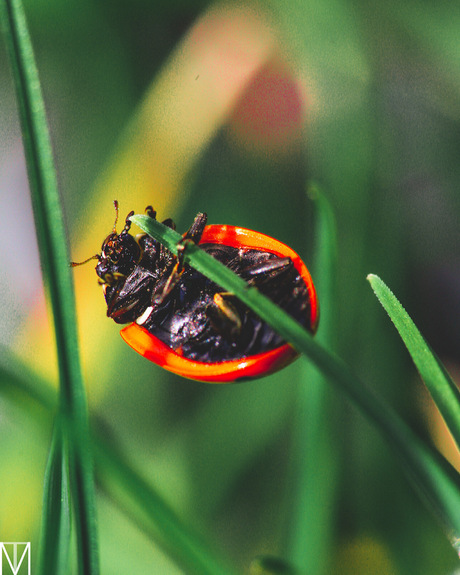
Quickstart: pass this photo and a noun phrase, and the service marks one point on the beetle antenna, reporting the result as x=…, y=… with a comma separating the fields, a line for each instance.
x=75, y=264
x=115, y=205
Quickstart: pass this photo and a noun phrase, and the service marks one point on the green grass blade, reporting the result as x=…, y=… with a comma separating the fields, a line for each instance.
x=153, y=515
x=315, y=447
x=432, y=475
x=443, y=390
x=139, y=500
x=54, y=259
x=56, y=523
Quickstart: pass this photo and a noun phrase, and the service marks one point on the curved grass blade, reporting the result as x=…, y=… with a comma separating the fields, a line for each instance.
x=56, y=522
x=443, y=390
x=433, y=476
x=54, y=260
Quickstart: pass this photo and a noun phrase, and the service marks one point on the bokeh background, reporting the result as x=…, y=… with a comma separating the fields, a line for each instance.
x=232, y=108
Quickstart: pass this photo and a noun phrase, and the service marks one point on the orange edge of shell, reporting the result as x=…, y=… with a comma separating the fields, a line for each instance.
x=240, y=369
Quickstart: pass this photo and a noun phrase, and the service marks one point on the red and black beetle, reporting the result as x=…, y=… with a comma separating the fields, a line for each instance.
x=183, y=321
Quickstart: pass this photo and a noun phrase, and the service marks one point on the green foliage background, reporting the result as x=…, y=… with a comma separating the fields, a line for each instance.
x=382, y=140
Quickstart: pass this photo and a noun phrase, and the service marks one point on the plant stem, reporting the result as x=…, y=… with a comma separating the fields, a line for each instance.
x=54, y=259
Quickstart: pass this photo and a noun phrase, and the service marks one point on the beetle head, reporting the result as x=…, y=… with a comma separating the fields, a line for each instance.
x=120, y=253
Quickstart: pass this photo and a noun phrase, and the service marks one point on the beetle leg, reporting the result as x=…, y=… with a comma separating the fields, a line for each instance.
x=127, y=223
x=176, y=272
x=196, y=229
x=151, y=212
x=224, y=316
x=169, y=223
x=193, y=235
x=269, y=269
x=171, y=282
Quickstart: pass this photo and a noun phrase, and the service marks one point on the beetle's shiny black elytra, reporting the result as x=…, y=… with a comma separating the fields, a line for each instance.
x=145, y=283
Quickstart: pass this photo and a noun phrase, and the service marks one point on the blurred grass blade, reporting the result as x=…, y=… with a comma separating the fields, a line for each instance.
x=270, y=565
x=56, y=523
x=315, y=457
x=54, y=258
x=325, y=262
x=136, y=497
x=431, y=473
x=443, y=390
x=154, y=516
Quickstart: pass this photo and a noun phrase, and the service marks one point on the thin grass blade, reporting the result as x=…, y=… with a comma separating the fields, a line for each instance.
x=54, y=258
x=432, y=475
x=315, y=448
x=443, y=390
x=56, y=523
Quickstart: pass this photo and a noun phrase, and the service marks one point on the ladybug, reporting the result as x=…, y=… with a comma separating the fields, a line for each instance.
x=184, y=322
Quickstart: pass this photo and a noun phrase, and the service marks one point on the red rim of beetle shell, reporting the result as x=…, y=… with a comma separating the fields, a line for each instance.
x=147, y=345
